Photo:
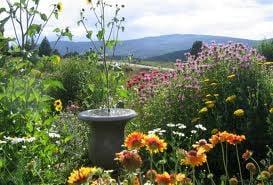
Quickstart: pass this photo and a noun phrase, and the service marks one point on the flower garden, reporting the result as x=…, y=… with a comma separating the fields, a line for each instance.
x=208, y=121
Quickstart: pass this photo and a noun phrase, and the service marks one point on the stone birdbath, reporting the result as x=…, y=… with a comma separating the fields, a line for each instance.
x=106, y=134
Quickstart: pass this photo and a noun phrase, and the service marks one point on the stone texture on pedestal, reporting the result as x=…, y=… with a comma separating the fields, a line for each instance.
x=106, y=134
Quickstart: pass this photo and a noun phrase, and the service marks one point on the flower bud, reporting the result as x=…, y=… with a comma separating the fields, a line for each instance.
x=251, y=168
x=270, y=169
x=233, y=181
x=265, y=174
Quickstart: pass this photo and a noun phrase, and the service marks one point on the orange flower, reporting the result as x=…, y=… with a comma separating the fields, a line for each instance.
x=154, y=144
x=194, y=158
x=234, y=139
x=163, y=179
x=226, y=137
x=247, y=154
x=214, y=140
x=134, y=140
x=130, y=160
x=223, y=136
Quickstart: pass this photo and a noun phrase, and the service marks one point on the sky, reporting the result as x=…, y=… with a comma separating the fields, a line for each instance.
x=251, y=19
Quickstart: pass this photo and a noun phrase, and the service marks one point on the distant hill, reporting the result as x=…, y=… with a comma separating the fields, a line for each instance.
x=169, y=57
x=151, y=46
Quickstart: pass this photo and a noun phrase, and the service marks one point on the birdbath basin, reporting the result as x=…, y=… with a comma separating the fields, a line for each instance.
x=106, y=134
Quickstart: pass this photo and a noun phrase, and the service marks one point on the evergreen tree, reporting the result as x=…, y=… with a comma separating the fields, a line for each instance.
x=44, y=48
x=266, y=49
x=196, y=48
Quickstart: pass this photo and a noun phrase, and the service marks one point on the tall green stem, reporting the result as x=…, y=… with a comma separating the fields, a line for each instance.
x=256, y=164
x=193, y=175
x=224, y=162
x=211, y=178
x=104, y=55
x=151, y=161
x=239, y=164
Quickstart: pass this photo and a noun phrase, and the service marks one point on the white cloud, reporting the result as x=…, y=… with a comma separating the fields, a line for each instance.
x=238, y=18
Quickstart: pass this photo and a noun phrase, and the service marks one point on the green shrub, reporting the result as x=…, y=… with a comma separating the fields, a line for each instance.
x=84, y=82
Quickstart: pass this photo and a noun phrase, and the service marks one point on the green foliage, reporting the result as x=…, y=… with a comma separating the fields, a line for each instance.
x=26, y=120
x=44, y=48
x=266, y=49
x=88, y=85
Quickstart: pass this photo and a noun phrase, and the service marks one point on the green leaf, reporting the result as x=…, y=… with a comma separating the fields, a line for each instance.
x=100, y=34
x=56, y=15
x=122, y=92
x=4, y=21
x=68, y=138
x=78, y=23
x=30, y=127
x=91, y=87
x=43, y=16
x=89, y=34
x=49, y=121
x=57, y=30
x=53, y=84
x=2, y=163
x=34, y=29
x=2, y=10
x=36, y=1
x=110, y=44
x=68, y=35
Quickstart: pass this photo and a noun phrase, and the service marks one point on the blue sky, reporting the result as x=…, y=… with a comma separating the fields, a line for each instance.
x=252, y=19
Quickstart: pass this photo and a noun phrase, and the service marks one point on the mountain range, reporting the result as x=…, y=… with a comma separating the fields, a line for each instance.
x=152, y=47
